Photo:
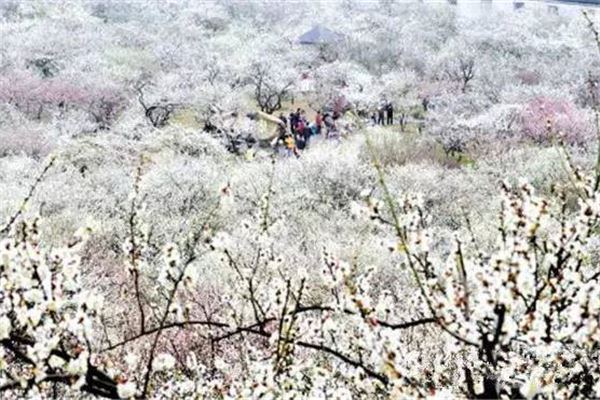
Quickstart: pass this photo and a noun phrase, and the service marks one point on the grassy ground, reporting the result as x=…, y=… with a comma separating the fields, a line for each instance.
x=186, y=118
x=398, y=147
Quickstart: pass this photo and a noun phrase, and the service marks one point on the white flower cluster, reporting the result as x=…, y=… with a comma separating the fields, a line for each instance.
x=46, y=319
x=530, y=308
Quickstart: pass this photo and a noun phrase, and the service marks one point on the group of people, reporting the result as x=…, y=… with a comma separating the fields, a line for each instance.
x=384, y=115
x=296, y=130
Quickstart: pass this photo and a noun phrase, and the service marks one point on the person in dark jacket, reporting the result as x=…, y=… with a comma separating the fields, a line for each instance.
x=291, y=118
x=389, y=108
x=300, y=125
x=294, y=118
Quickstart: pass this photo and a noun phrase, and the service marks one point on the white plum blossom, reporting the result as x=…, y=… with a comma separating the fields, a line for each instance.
x=126, y=390
x=5, y=326
x=163, y=362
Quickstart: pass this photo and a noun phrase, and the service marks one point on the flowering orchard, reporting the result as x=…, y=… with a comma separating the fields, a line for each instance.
x=518, y=319
x=452, y=253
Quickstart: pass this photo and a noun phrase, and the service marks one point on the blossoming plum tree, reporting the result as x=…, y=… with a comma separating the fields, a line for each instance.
x=544, y=119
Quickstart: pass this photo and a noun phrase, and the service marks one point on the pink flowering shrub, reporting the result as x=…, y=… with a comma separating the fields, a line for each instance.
x=33, y=96
x=29, y=141
x=30, y=93
x=544, y=119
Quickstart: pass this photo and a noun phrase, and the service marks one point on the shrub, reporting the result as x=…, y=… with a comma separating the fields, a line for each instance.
x=546, y=119
x=37, y=97
x=398, y=148
x=31, y=142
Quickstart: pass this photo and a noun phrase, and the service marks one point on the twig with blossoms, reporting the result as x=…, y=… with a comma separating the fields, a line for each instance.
x=28, y=197
x=133, y=247
x=593, y=91
x=536, y=289
x=46, y=318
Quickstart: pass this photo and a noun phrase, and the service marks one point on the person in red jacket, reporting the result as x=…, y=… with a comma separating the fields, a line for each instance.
x=300, y=127
x=319, y=122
